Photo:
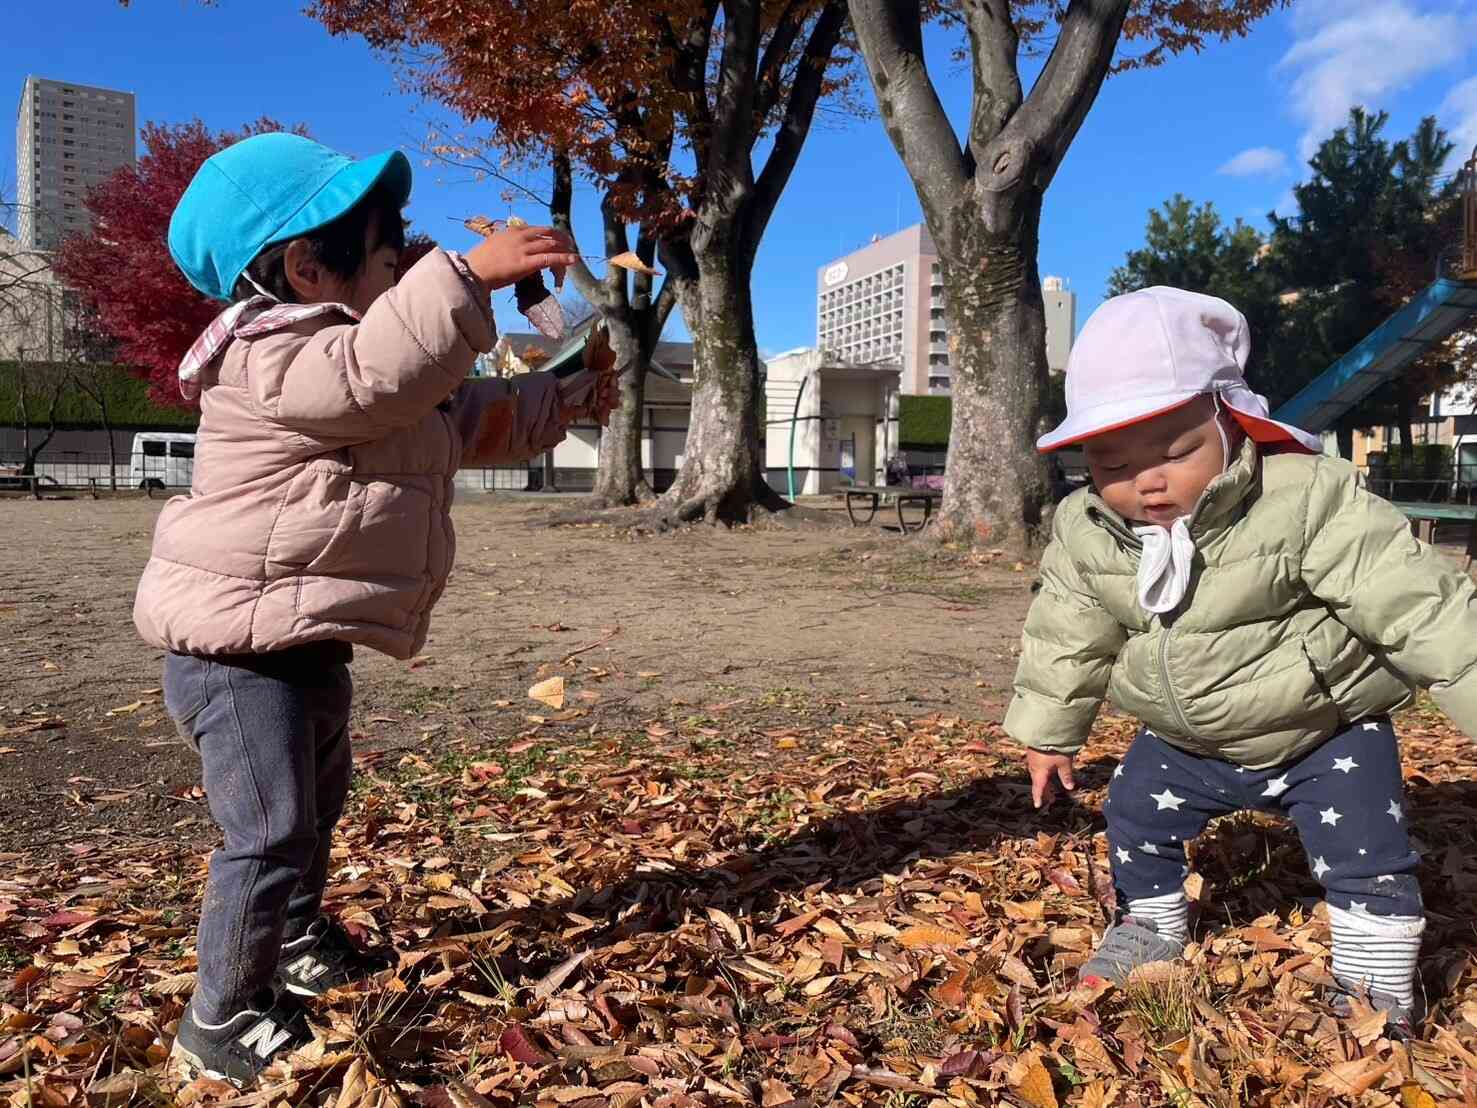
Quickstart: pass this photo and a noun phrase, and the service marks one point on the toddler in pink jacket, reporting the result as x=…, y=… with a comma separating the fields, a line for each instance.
x=335, y=411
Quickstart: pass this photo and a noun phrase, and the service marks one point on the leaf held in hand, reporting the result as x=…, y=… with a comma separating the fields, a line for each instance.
x=547, y=316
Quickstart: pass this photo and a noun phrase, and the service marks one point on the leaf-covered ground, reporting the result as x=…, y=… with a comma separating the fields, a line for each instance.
x=667, y=884
x=700, y=913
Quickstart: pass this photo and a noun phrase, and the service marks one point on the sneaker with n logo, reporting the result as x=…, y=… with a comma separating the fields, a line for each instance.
x=237, y=1050
x=325, y=958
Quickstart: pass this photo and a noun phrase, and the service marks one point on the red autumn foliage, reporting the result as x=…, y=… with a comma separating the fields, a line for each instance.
x=122, y=266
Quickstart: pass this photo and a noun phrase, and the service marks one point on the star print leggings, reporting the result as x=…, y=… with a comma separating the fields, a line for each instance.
x=1348, y=802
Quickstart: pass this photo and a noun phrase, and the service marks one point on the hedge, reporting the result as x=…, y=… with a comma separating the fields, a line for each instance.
x=129, y=405
x=923, y=421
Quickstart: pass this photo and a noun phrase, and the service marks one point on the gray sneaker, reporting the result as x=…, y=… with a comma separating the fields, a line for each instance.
x=1402, y=1019
x=1127, y=945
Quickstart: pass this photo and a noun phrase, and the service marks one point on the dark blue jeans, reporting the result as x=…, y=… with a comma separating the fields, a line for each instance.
x=273, y=737
x=1347, y=798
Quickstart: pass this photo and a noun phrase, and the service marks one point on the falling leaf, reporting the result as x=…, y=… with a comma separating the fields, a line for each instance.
x=630, y=260
x=481, y=225
x=550, y=692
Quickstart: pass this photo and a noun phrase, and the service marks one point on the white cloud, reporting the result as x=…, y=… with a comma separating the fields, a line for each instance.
x=1350, y=52
x=1458, y=114
x=1255, y=162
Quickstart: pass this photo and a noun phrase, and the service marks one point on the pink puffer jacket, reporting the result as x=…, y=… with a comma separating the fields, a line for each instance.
x=323, y=475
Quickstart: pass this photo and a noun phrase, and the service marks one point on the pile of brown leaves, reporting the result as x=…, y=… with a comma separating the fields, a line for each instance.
x=707, y=913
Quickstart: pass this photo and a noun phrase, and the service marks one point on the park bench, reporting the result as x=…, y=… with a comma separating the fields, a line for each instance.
x=899, y=494
x=1424, y=518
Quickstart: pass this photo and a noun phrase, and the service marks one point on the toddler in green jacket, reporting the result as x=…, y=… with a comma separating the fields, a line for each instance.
x=1260, y=613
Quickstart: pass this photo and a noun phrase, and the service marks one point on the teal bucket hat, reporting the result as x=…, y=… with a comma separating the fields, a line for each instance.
x=263, y=190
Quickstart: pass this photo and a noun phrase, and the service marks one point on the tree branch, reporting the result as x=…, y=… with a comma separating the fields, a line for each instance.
x=995, y=46
x=733, y=119
x=772, y=66
x=690, y=77
x=805, y=93
x=560, y=205
x=891, y=35
x=1068, y=85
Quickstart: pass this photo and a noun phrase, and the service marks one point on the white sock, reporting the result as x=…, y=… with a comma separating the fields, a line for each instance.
x=1377, y=953
x=1169, y=913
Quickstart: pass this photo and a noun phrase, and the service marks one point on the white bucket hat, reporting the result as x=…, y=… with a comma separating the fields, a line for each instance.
x=1151, y=351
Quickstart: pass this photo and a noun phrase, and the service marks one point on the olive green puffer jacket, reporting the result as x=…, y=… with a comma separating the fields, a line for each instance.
x=1310, y=606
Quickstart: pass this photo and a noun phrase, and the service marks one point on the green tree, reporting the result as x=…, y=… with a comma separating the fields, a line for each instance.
x=1374, y=220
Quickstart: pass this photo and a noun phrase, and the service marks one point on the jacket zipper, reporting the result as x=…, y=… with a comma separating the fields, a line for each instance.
x=1174, y=703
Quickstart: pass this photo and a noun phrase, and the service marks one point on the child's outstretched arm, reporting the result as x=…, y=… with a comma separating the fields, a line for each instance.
x=508, y=421
x=1067, y=652
x=414, y=346
x=1393, y=592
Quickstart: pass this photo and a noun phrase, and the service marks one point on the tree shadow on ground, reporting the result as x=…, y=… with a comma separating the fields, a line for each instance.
x=1255, y=867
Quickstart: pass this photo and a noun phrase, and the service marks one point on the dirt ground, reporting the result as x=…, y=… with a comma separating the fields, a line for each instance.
x=748, y=623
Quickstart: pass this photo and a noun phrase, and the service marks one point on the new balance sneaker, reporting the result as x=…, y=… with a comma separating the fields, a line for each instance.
x=325, y=958
x=238, y=1050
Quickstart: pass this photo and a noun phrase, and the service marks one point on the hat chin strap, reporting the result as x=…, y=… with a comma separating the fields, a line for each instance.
x=277, y=300
x=1168, y=552
x=1215, y=398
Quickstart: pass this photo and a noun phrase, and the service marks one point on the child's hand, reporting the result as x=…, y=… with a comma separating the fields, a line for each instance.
x=504, y=256
x=1043, y=767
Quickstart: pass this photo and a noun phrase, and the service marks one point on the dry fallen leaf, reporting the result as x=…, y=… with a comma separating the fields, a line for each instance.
x=1354, y=1077
x=921, y=935
x=550, y=692
x=1032, y=1082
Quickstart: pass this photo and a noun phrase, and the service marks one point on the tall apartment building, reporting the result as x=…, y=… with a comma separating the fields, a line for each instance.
x=68, y=137
x=884, y=303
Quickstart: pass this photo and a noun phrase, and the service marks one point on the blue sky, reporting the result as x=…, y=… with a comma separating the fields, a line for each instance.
x=1233, y=125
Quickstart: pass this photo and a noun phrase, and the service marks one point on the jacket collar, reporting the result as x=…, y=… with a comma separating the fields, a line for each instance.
x=258, y=315
x=1218, y=507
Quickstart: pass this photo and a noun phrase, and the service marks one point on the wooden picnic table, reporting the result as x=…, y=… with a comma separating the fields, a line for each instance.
x=1424, y=517
x=900, y=495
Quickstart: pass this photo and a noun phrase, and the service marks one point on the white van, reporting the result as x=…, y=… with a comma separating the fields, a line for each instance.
x=162, y=459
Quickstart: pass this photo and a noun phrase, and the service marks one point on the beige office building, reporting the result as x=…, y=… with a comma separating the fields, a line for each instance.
x=68, y=137
x=884, y=303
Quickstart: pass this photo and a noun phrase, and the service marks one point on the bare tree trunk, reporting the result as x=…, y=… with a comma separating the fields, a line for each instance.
x=996, y=486
x=88, y=381
x=1404, y=418
x=31, y=448
x=721, y=480
x=620, y=477
x=982, y=199
x=634, y=319
x=112, y=447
